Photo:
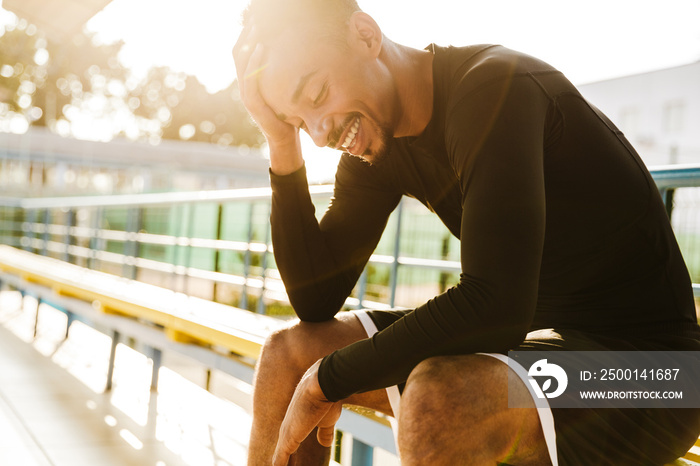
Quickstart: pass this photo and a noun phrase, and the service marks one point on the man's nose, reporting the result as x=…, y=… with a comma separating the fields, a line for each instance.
x=320, y=129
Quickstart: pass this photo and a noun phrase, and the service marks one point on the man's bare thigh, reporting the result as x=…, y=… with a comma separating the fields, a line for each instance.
x=461, y=403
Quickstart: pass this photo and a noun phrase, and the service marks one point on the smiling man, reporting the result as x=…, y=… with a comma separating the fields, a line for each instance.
x=565, y=246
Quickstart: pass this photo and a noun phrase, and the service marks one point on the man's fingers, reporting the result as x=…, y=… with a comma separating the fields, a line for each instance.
x=325, y=435
x=250, y=59
x=283, y=453
x=242, y=51
x=248, y=84
x=255, y=64
x=247, y=77
x=249, y=87
x=250, y=92
x=326, y=428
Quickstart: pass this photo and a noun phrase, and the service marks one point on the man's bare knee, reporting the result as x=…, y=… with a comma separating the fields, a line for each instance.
x=300, y=344
x=291, y=346
x=290, y=351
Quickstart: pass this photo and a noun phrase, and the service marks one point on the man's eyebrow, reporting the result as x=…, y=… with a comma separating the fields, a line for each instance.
x=300, y=86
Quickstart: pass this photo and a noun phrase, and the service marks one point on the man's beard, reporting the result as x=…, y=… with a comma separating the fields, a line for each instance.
x=371, y=156
x=379, y=155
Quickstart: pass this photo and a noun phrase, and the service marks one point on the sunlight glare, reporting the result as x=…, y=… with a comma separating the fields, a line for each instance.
x=192, y=37
x=131, y=439
x=197, y=37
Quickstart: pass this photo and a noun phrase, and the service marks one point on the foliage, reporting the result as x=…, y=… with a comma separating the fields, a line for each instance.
x=189, y=111
x=81, y=89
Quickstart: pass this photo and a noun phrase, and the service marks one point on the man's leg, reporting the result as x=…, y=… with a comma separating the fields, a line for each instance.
x=286, y=355
x=454, y=410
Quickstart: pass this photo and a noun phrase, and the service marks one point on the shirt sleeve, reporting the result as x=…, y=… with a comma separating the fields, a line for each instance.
x=320, y=261
x=494, y=140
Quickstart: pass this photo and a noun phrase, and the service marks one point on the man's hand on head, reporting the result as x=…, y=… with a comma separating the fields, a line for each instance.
x=308, y=409
x=282, y=138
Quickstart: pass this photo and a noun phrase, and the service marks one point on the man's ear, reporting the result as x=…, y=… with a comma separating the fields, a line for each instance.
x=365, y=33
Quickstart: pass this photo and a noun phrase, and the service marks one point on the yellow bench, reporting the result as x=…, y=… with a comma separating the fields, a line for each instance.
x=692, y=458
x=220, y=336
x=181, y=318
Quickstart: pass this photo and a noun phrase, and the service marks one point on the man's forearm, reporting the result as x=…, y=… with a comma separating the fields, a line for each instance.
x=306, y=264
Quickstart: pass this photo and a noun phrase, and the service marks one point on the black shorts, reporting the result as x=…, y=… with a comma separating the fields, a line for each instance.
x=609, y=436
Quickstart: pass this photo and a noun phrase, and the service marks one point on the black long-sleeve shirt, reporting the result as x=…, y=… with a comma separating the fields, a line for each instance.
x=561, y=225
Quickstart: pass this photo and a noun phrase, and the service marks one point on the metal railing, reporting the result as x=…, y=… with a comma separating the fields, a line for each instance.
x=214, y=239
x=216, y=244
x=679, y=188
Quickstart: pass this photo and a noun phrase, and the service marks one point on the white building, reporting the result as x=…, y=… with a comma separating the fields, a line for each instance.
x=42, y=163
x=658, y=111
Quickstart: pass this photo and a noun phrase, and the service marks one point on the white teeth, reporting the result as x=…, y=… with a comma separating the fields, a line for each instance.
x=351, y=134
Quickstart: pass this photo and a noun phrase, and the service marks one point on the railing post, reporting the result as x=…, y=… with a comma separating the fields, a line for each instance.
x=444, y=255
x=668, y=200
x=45, y=235
x=261, y=302
x=247, y=257
x=36, y=316
x=70, y=318
x=67, y=239
x=96, y=224
x=134, y=221
x=112, y=359
x=188, y=251
x=181, y=252
x=393, y=280
x=20, y=218
x=207, y=380
x=217, y=252
x=28, y=230
x=157, y=358
x=362, y=288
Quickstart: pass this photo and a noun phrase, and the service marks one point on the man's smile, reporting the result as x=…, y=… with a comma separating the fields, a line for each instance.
x=349, y=142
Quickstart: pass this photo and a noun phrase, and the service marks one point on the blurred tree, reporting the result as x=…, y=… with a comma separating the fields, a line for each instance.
x=58, y=85
x=78, y=73
x=42, y=80
x=189, y=112
x=218, y=118
x=18, y=70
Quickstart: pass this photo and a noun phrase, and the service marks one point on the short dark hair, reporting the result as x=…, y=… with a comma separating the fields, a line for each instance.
x=270, y=17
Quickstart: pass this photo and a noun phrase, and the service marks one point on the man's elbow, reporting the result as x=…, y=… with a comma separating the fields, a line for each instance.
x=509, y=333
x=515, y=336
x=314, y=310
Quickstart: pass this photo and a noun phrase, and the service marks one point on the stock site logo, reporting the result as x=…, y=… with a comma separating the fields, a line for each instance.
x=547, y=372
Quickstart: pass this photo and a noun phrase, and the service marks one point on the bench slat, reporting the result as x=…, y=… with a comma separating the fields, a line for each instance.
x=243, y=332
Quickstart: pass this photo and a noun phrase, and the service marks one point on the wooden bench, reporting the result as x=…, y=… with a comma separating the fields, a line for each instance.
x=692, y=458
x=220, y=337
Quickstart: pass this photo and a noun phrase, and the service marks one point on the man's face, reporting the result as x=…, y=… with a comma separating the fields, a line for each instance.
x=341, y=96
